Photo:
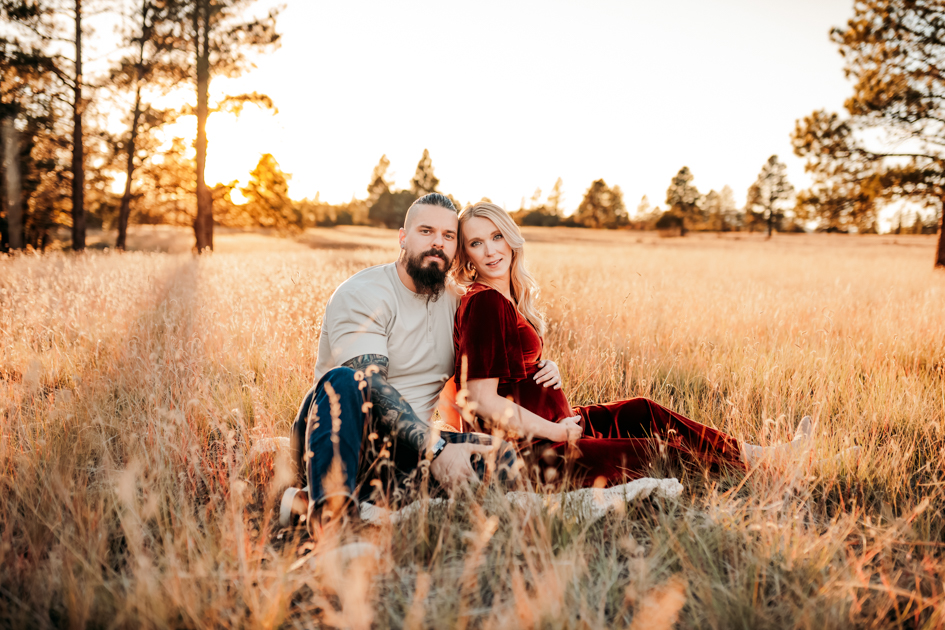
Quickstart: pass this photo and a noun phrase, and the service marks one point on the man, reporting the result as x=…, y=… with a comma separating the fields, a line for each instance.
x=384, y=353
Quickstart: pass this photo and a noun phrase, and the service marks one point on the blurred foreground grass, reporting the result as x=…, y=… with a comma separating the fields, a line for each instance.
x=132, y=387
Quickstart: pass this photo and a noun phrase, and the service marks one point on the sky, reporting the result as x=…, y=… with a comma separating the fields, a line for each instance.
x=509, y=96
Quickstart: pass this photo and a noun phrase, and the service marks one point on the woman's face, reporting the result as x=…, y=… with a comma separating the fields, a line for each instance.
x=488, y=250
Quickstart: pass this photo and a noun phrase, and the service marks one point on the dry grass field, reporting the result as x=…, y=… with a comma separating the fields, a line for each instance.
x=132, y=387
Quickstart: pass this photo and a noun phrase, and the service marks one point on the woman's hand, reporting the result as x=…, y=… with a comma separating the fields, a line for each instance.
x=568, y=430
x=548, y=375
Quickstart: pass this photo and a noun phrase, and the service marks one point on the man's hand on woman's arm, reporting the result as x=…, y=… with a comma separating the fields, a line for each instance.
x=390, y=409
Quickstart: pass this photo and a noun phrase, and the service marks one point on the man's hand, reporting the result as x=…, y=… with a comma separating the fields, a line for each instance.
x=453, y=466
x=548, y=375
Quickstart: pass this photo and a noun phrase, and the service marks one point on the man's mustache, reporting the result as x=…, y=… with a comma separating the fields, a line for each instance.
x=435, y=252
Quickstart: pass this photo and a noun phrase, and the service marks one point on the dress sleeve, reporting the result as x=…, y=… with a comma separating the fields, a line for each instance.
x=489, y=339
x=358, y=325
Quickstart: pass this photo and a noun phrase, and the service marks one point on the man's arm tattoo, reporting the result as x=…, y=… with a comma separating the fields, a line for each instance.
x=388, y=406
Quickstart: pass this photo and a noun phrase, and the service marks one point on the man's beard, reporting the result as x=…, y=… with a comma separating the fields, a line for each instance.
x=429, y=279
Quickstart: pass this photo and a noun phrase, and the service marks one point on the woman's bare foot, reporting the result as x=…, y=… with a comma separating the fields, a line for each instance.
x=780, y=453
x=805, y=429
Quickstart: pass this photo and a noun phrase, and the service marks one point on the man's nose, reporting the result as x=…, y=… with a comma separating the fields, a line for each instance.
x=438, y=241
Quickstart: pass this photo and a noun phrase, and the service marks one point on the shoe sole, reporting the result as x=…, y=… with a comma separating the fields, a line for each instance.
x=286, y=513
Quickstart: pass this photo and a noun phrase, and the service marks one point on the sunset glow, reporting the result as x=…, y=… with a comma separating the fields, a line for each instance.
x=508, y=98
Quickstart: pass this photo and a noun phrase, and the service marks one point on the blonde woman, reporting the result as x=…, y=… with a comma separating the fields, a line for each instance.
x=498, y=342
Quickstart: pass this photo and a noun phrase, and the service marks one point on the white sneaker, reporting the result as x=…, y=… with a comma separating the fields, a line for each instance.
x=293, y=505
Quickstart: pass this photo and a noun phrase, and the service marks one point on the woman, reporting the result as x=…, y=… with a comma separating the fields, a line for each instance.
x=498, y=342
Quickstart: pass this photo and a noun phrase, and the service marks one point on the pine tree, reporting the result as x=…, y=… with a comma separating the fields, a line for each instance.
x=732, y=219
x=218, y=38
x=683, y=199
x=712, y=208
x=424, y=181
x=391, y=207
x=771, y=195
x=555, y=198
x=894, y=52
x=602, y=207
x=267, y=194
x=378, y=185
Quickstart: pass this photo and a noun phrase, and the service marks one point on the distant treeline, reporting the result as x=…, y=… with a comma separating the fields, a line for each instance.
x=771, y=205
x=62, y=161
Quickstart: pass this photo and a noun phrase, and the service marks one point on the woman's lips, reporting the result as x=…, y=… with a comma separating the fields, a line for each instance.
x=494, y=263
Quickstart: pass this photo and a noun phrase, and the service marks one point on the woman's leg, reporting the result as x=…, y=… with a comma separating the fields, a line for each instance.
x=642, y=429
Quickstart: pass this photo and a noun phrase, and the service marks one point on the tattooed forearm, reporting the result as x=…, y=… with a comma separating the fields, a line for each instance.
x=388, y=406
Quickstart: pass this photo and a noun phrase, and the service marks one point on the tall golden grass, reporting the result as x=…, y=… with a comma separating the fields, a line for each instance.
x=132, y=387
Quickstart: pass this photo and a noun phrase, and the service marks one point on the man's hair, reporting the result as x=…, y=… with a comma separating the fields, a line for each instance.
x=430, y=199
x=435, y=199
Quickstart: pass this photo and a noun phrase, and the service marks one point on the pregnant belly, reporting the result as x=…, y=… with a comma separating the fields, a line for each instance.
x=546, y=402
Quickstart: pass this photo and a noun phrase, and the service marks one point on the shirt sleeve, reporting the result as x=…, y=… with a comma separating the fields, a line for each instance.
x=357, y=325
x=489, y=339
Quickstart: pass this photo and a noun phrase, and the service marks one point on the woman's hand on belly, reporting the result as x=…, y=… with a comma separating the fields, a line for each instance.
x=548, y=375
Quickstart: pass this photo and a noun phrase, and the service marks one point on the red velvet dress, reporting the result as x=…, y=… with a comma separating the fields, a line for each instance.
x=621, y=439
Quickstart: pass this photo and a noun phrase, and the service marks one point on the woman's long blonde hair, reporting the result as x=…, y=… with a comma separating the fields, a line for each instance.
x=524, y=287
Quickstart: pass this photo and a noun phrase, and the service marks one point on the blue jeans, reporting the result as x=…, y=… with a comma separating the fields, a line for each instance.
x=361, y=443
x=314, y=428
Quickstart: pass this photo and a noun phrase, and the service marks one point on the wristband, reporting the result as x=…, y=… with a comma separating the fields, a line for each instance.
x=434, y=452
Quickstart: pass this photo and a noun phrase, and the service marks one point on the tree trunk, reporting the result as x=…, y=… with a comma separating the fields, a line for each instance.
x=78, y=153
x=203, y=223
x=14, y=190
x=125, y=210
x=940, y=252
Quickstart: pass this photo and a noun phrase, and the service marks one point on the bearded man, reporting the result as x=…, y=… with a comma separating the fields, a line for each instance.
x=385, y=352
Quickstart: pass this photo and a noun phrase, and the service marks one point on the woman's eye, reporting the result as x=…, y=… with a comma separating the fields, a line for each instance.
x=497, y=237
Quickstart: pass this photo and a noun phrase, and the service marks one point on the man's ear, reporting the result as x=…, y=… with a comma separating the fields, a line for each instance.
x=402, y=235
